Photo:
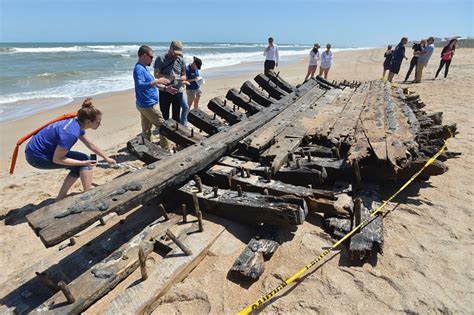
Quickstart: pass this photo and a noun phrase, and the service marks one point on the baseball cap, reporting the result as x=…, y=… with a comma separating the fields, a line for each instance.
x=198, y=62
x=177, y=47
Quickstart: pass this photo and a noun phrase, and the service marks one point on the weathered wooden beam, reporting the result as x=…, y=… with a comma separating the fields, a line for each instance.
x=204, y=122
x=105, y=275
x=250, y=263
x=145, y=150
x=142, y=297
x=368, y=241
x=246, y=207
x=219, y=107
x=272, y=89
x=180, y=134
x=257, y=95
x=243, y=101
x=326, y=82
x=149, y=182
x=280, y=82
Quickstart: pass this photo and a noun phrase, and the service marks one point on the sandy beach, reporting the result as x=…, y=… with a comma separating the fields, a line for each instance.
x=426, y=266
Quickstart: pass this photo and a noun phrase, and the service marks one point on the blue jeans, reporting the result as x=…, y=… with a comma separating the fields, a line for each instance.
x=45, y=164
x=184, y=111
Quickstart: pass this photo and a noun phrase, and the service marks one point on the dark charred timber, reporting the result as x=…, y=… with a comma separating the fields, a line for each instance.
x=243, y=101
x=332, y=169
x=204, y=122
x=280, y=82
x=434, y=169
x=320, y=151
x=249, y=208
x=217, y=106
x=302, y=176
x=180, y=134
x=368, y=241
x=257, y=95
x=250, y=263
x=277, y=155
x=337, y=227
x=252, y=167
x=146, y=151
x=326, y=82
x=272, y=89
x=317, y=200
x=149, y=182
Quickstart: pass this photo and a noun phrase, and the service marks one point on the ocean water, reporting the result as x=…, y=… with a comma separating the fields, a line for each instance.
x=39, y=76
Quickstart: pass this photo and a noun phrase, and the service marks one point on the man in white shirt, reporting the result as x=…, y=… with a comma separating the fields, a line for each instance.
x=271, y=56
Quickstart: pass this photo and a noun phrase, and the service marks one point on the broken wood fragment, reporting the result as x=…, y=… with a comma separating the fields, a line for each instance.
x=204, y=122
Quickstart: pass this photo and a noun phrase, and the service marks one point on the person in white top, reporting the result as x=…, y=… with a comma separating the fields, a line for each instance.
x=271, y=56
x=314, y=56
x=326, y=61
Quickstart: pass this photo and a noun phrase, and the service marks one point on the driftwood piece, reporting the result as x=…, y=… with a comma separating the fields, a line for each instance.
x=104, y=276
x=246, y=207
x=257, y=95
x=219, y=107
x=146, y=151
x=368, y=240
x=243, y=101
x=180, y=134
x=204, y=122
x=152, y=179
x=280, y=82
x=272, y=89
x=250, y=263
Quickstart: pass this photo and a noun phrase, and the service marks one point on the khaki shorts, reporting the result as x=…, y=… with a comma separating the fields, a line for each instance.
x=193, y=93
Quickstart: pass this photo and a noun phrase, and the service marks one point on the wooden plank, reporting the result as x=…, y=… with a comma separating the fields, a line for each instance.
x=145, y=150
x=142, y=297
x=243, y=101
x=219, y=107
x=105, y=275
x=265, y=136
x=246, y=207
x=152, y=179
x=204, y=122
x=257, y=95
x=180, y=134
x=272, y=89
x=280, y=82
x=332, y=84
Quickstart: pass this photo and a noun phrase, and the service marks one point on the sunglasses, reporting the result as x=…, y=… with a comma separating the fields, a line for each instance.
x=151, y=57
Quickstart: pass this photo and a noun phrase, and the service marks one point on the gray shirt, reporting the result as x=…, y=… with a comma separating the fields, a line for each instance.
x=174, y=67
x=427, y=52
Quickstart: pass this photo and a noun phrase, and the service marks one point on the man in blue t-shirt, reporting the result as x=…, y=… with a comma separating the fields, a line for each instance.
x=423, y=58
x=147, y=96
x=397, y=58
x=193, y=90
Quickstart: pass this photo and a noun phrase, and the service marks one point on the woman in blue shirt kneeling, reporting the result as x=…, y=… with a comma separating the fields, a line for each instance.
x=51, y=147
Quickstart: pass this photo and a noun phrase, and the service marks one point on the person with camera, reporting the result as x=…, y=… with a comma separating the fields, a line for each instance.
x=397, y=58
x=271, y=56
x=172, y=67
x=51, y=147
x=417, y=48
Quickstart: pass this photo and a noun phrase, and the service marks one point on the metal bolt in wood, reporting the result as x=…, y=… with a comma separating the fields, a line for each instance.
x=142, y=258
x=66, y=291
x=163, y=211
x=178, y=243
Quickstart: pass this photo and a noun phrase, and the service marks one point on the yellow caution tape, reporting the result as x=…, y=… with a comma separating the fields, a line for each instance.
x=283, y=284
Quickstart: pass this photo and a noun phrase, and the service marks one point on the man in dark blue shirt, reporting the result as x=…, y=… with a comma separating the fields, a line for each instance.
x=397, y=58
x=147, y=96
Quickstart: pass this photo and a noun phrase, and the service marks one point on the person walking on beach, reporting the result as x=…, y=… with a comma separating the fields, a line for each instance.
x=417, y=48
x=388, y=58
x=397, y=58
x=193, y=90
x=51, y=147
x=446, y=56
x=314, y=57
x=146, y=95
x=326, y=61
x=271, y=56
x=423, y=58
x=172, y=67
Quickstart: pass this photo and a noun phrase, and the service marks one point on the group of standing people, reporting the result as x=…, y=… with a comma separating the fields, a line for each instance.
x=422, y=53
x=326, y=58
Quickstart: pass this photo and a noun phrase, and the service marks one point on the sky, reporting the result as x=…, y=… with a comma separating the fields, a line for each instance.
x=343, y=23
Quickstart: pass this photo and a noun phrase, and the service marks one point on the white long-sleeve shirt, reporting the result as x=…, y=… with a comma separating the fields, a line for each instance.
x=272, y=53
x=326, y=60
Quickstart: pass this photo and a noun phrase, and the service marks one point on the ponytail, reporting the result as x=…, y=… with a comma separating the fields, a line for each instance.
x=88, y=111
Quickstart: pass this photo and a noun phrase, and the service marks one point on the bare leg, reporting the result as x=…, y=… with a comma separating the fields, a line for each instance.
x=313, y=71
x=383, y=75
x=68, y=182
x=86, y=179
x=190, y=101
x=196, y=101
x=321, y=70
x=326, y=71
x=390, y=76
